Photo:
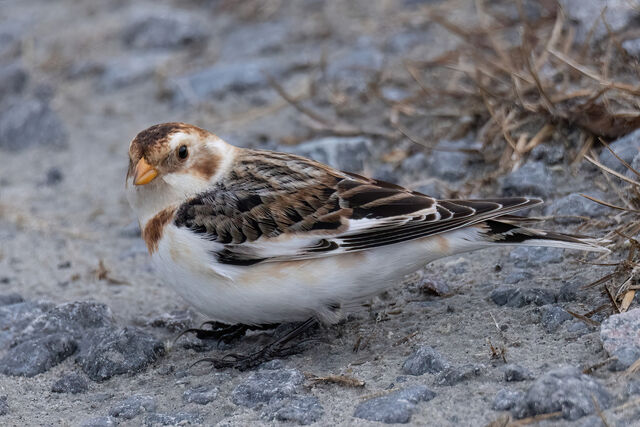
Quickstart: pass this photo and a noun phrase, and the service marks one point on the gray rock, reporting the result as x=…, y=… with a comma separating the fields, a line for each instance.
x=551, y=154
x=133, y=406
x=4, y=406
x=626, y=148
x=513, y=372
x=552, y=317
x=348, y=154
x=506, y=399
x=226, y=78
x=30, y=123
x=15, y=317
x=632, y=47
x=266, y=386
x=519, y=297
x=532, y=179
x=618, y=13
x=37, y=355
x=635, y=164
x=453, y=375
x=563, y=389
x=200, y=395
x=386, y=173
x=517, y=277
x=99, y=422
x=568, y=208
x=620, y=336
x=396, y=407
x=167, y=30
x=13, y=80
x=530, y=256
x=424, y=359
x=302, y=410
x=108, y=352
x=174, y=321
x=9, y=299
x=353, y=70
x=256, y=38
x=73, y=319
x=54, y=176
x=127, y=70
x=70, y=383
x=173, y=419
x=447, y=165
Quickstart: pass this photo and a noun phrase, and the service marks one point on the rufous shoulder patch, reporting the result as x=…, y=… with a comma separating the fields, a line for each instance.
x=152, y=232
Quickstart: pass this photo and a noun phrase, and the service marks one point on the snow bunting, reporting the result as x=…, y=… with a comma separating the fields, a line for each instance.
x=259, y=237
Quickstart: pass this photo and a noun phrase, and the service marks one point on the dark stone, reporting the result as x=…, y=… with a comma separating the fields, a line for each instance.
x=9, y=299
x=164, y=31
x=133, y=406
x=266, y=386
x=563, y=389
x=396, y=407
x=108, y=352
x=513, y=372
x=517, y=277
x=626, y=148
x=551, y=154
x=201, y=395
x=13, y=80
x=424, y=359
x=14, y=318
x=37, y=355
x=302, y=410
x=174, y=321
x=447, y=165
x=519, y=297
x=386, y=173
x=632, y=47
x=70, y=383
x=552, y=317
x=569, y=209
x=348, y=154
x=620, y=336
x=4, y=407
x=532, y=179
x=506, y=399
x=453, y=375
x=173, y=419
x=54, y=177
x=72, y=318
x=534, y=256
x=30, y=123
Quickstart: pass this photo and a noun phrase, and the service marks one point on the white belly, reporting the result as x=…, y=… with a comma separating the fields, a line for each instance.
x=273, y=292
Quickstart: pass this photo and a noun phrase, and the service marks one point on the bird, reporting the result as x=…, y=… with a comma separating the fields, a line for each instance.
x=254, y=237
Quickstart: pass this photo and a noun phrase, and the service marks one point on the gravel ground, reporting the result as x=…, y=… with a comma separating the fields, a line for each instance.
x=86, y=327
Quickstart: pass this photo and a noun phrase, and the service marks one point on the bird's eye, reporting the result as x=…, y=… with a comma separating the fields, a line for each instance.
x=183, y=152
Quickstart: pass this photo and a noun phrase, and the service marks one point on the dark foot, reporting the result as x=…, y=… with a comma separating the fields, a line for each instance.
x=275, y=350
x=222, y=332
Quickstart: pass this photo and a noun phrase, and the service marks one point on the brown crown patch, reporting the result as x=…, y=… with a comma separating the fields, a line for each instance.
x=152, y=232
x=154, y=137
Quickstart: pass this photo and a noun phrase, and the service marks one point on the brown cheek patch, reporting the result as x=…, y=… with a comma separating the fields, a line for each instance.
x=207, y=167
x=152, y=232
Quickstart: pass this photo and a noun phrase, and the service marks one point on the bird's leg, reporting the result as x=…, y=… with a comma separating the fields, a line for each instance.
x=276, y=349
x=223, y=332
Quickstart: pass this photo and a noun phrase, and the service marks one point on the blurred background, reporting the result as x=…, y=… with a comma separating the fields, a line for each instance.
x=452, y=98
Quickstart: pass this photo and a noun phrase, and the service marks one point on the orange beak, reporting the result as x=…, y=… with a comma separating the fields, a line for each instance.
x=144, y=173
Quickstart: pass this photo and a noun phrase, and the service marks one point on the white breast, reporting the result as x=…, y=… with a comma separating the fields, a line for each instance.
x=272, y=292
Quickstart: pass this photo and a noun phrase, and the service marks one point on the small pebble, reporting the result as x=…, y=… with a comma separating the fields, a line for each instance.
x=424, y=359
x=70, y=383
x=396, y=407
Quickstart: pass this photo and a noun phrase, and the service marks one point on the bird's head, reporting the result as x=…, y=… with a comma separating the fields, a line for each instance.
x=170, y=162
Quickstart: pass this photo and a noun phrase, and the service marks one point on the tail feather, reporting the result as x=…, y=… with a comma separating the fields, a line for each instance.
x=509, y=233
